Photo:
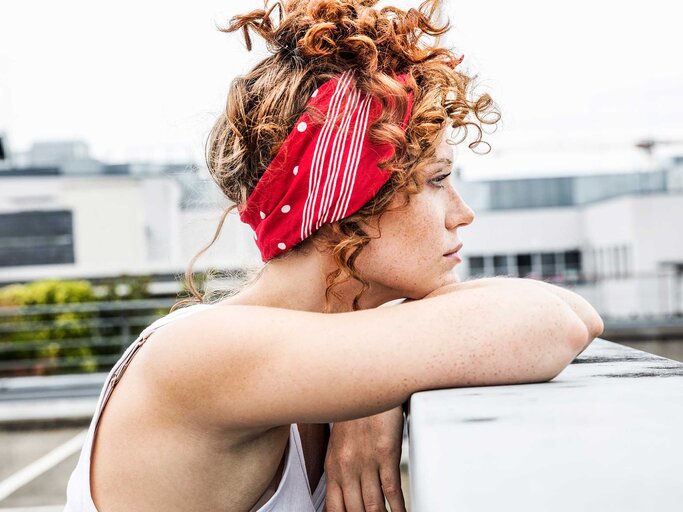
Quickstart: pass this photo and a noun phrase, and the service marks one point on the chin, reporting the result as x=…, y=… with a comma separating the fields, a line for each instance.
x=399, y=290
x=447, y=279
x=453, y=277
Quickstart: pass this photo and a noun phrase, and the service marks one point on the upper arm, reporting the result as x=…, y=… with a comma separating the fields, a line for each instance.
x=254, y=366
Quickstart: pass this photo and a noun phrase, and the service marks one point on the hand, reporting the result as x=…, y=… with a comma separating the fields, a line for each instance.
x=362, y=464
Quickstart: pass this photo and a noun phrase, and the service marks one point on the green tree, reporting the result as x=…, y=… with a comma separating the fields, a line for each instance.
x=36, y=341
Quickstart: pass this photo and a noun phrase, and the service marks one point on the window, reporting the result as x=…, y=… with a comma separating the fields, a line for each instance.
x=524, y=264
x=476, y=264
x=500, y=264
x=548, y=265
x=36, y=238
x=572, y=265
x=572, y=260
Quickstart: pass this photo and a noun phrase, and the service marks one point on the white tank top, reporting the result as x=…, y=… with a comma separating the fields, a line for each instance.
x=293, y=492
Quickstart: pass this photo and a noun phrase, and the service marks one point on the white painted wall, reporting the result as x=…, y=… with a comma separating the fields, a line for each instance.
x=109, y=222
x=122, y=224
x=235, y=248
x=504, y=231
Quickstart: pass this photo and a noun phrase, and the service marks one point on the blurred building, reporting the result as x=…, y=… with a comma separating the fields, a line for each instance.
x=66, y=215
x=5, y=161
x=617, y=239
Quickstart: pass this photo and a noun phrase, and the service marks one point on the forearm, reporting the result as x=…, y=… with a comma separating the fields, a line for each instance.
x=580, y=306
x=583, y=309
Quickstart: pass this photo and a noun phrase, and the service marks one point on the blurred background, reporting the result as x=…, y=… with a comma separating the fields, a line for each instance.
x=105, y=196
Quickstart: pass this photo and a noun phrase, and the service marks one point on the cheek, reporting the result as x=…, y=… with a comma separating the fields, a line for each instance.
x=410, y=247
x=407, y=247
x=416, y=232
x=383, y=257
x=420, y=236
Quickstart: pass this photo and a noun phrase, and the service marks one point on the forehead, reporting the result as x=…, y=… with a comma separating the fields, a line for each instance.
x=444, y=150
x=443, y=156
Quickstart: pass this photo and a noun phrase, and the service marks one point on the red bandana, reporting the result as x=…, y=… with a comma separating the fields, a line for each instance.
x=322, y=172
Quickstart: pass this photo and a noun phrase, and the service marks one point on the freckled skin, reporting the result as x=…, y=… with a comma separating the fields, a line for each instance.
x=214, y=371
x=408, y=258
x=406, y=261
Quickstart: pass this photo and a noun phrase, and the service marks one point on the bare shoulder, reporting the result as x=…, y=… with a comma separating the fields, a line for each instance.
x=211, y=356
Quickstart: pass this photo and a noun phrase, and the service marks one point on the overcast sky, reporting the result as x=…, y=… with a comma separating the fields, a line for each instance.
x=577, y=82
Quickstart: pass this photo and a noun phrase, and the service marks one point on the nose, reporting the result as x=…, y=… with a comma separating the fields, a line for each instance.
x=459, y=213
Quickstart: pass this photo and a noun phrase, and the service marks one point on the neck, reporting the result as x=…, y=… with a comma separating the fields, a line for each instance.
x=299, y=281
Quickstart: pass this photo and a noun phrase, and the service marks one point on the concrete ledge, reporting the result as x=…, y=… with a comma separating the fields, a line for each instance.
x=604, y=435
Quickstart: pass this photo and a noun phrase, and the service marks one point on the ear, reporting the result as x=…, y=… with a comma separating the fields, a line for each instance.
x=326, y=236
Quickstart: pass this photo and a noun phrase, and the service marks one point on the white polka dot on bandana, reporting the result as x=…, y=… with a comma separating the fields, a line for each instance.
x=302, y=126
x=295, y=170
x=263, y=215
x=315, y=93
x=285, y=208
x=281, y=246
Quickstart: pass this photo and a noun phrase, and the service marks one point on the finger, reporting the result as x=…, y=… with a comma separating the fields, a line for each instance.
x=353, y=499
x=334, y=500
x=373, y=497
x=391, y=487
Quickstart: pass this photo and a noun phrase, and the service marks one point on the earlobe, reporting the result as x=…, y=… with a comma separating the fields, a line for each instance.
x=325, y=238
x=328, y=232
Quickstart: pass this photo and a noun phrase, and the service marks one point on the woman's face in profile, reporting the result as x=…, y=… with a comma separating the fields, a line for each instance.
x=409, y=256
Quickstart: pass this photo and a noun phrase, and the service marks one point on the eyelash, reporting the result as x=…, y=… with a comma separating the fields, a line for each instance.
x=439, y=179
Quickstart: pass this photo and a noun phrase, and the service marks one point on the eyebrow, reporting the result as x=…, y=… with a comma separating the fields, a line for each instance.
x=446, y=161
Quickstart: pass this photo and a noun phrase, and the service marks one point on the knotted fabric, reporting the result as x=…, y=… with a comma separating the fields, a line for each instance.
x=324, y=171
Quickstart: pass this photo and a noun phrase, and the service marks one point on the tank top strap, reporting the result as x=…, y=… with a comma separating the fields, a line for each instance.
x=122, y=364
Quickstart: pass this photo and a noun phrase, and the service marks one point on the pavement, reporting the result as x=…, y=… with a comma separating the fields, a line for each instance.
x=43, y=421
x=36, y=465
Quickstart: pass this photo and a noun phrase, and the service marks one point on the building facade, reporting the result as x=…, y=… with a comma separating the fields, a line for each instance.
x=616, y=239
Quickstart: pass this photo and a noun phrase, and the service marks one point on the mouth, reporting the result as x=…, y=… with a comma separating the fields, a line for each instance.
x=454, y=251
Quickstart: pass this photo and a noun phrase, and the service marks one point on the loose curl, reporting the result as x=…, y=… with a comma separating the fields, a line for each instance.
x=312, y=42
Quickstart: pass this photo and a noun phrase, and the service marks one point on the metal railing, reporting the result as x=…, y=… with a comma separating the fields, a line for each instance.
x=71, y=338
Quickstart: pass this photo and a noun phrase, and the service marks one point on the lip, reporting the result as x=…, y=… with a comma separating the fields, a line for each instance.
x=454, y=251
x=453, y=256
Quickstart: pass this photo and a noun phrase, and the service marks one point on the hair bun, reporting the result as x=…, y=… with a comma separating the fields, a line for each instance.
x=346, y=33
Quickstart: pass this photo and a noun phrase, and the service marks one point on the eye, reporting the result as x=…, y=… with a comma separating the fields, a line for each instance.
x=439, y=179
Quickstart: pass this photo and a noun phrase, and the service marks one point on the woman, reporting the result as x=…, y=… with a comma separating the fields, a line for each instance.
x=334, y=149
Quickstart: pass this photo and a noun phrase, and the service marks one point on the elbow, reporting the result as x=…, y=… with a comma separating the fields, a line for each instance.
x=592, y=319
x=578, y=336
x=583, y=332
x=586, y=326
x=594, y=324
x=598, y=326
x=575, y=338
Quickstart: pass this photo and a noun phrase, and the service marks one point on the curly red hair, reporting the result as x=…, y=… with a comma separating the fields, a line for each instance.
x=311, y=42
